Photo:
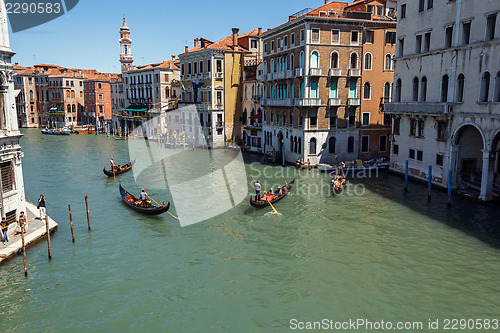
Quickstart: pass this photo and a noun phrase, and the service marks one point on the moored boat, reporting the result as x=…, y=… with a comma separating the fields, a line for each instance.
x=354, y=168
x=123, y=168
x=273, y=197
x=135, y=204
x=61, y=131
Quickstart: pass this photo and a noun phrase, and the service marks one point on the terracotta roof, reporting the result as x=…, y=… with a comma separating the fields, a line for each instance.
x=174, y=64
x=225, y=43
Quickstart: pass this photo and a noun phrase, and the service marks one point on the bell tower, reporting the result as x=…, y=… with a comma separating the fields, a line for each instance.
x=126, y=57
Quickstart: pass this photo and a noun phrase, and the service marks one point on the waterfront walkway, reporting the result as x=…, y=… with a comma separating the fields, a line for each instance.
x=36, y=230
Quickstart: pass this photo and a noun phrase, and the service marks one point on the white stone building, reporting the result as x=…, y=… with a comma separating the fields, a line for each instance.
x=12, y=198
x=446, y=98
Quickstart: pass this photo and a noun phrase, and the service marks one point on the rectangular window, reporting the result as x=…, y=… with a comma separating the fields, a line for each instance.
x=412, y=154
x=421, y=5
x=369, y=9
x=402, y=13
x=395, y=126
x=335, y=36
x=302, y=35
x=420, y=155
x=427, y=42
x=365, y=143
x=315, y=36
x=490, y=26
x=430, y=4
x=413, y=126
x=189, y=68
x=292, y=39
x=313, y=121
x=390, y=37
x=380, y=10
x=219, y=66
x=366, y=119
x=368, y=36
x=278, y=43
x=253, y=44
x=466, y=33
x=272, y=46
x=395, y=149
x=333, y=120
x=352, y=119
x=195, y=68
x=7, y=174
x=401, y=47
x=10, y=217
x=285, y=41
x=441, y=130
x=354, y=37
x=448, y=36
x=209, y=66
x=418, y=44
x=201, y=70
x=382, y=146
x=439, y=160
x=420, y=128
x=265, y=48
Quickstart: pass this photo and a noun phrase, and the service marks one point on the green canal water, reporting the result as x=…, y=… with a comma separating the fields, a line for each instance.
x=383, y=255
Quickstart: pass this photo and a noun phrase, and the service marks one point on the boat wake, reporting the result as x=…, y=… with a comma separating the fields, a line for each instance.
x=269, y=214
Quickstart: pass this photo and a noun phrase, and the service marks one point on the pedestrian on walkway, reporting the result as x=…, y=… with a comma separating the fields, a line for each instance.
x=41, y=206
x=22, y=223
x=4, y=227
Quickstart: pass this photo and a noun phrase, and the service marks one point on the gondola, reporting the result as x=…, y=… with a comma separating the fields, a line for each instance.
x=123, y=169
x=264, y=201
x=338, y=188
x=130, y=201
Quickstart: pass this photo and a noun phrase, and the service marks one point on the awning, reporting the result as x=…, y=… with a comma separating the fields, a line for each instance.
x=16, y=92
x=257, y=116
x=136, y=108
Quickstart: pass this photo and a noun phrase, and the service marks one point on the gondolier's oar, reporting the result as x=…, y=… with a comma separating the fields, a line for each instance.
x=155, y=201
x=270, y=204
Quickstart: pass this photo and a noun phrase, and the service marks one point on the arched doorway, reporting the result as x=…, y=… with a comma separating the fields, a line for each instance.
x=495, y=156
x=280, y=156
x=469, y=164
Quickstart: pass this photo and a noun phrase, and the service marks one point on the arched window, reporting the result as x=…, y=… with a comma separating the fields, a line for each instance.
x=444, y=88
x=67, y=94
x=291, y=144
x=73, y=108
x=301, y=90
x=398, y=90
x=368, y=61
x=314, y=89
x=354, y=60
x=167, y=92
x=68, y=107
x=331, y=145
x=314, y=59
x=72, y=94
x=292, y=62
x=423, y=93
x=312, y=146
x=265, y=67
x=387, y=92
x=485, y=87
x=302, y=62
x=415, y=89
x=299, y=150
x=350, y=144
x=367, y=90
x=334, y=63
x=496, y=95
x=388, y=62
x=460, y=88
x=272, y=66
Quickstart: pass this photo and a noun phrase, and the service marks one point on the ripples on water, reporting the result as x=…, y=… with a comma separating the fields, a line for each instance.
x=383, y=255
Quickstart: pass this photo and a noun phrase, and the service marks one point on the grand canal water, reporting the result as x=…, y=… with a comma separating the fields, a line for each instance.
x=383, y=255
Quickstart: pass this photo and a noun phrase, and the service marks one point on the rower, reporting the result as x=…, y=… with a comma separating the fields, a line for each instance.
x=144, y=198
x=257, y=190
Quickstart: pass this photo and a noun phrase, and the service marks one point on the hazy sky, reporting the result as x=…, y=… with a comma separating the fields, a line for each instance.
x=87, y=36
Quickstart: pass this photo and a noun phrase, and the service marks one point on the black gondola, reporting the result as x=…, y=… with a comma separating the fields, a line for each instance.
x=123, y=169
x=130, y=201
x=339, y=187
x=264, y=203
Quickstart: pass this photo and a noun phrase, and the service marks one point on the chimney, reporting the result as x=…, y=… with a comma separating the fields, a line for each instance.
x=235, y=38
x=16, y=63
x=291, y=18
x=196, y=42
x=173, y=57
x=326, y=2
x=260, y=32
x=186, y=49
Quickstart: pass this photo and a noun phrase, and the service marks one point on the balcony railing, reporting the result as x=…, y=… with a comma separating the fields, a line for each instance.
x=353, y=102
x=354, y=72
x=270, y=76
x=307, y=101
x=335, y=72
x=334, y=101
x=315, y=71
x=279, y=102
x=419, y=107
x=289, y=74
x=279, y=75
x=299, y=72
x=219, y=124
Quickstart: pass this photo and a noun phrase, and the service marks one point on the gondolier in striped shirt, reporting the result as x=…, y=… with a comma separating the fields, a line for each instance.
x=258, y=188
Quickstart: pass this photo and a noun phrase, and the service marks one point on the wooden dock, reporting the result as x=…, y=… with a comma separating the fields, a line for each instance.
x=36, y=231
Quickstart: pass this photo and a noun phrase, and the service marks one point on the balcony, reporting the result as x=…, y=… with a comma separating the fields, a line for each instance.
x=353, y=102
x=334, y=72
x=315, y=71
x=334, y=101
x=299, y=72
x=424, y=108
x=280, y=75
x=307, y=101
x=270, y=76
x=208, y=75
x=279, y=102
x=354, y=72
x=219, y=75
x=289, y=74
x=219, y=124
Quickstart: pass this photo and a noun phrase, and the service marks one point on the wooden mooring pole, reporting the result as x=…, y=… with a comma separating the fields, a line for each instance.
x=71, y=223
x=23, y=230
x=450, y=174
x=47, y=229
x=88, y=214
x=406, y=176
x=429, y=187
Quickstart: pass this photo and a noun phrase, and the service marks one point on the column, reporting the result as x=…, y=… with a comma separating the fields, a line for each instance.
x=454, y=163
x=487, y=176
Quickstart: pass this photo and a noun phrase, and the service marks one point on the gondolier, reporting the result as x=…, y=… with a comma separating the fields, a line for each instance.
x=258, y=189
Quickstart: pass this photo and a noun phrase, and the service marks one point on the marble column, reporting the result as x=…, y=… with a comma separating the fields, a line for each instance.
x=487, y=176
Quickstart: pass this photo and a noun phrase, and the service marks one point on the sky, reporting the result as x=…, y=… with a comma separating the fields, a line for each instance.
x=87, y=36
